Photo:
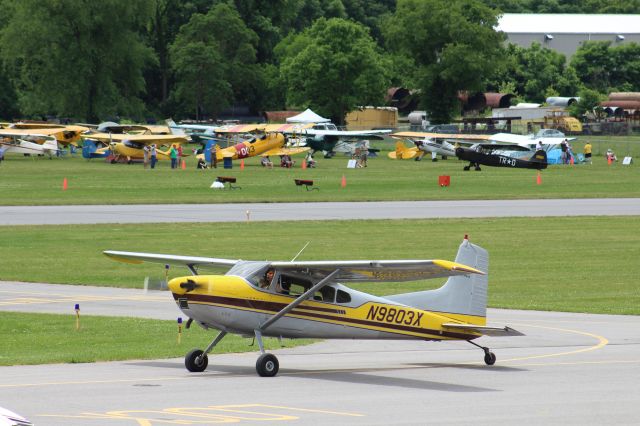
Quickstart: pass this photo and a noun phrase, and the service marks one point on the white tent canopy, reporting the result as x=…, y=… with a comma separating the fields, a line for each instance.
x=307, y=116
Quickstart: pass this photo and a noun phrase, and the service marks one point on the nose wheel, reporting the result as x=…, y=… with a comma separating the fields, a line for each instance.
x=489, y=357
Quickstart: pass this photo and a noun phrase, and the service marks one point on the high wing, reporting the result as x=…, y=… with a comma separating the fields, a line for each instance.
x=143, y=139
x=168, y=259
x=452, y=136
x=349, y=270
x=370, y=134
x=379, y=270
x=285, y=151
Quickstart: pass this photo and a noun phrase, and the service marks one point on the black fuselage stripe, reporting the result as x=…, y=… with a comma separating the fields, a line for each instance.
x=275, y=307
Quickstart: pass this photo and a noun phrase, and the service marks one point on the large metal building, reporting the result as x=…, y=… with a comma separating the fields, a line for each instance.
x=565, y=32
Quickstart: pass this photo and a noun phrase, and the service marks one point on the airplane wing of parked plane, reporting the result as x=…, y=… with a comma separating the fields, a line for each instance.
x=142, y=139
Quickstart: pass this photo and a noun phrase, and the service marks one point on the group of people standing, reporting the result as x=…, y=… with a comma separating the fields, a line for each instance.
x=150, y=154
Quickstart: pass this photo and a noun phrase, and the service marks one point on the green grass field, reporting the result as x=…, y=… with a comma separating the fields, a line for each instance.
x=48, y=339
x=29, y=181
x=578, y=264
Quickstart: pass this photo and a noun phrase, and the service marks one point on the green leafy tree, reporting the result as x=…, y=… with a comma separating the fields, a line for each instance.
x=537, y=72
x=167, y=18
x=214, y=60
x=333, y=67
x=593, y=63
x=77, y=57
x=589, y=102
x=454, y=46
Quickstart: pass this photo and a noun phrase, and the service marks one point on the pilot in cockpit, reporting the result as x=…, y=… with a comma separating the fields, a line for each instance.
x=265, y=281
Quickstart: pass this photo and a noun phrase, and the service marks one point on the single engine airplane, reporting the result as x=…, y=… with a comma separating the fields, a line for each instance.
x=17, y=142
x=65, y=134
x=268, y=144
x=492, y=155
x=129, y=146
x=305, y=299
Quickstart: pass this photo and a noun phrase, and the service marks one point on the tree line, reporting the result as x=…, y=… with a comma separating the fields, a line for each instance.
x=91, y=61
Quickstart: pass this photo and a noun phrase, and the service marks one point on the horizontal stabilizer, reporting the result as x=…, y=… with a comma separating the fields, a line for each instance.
x=484, y=330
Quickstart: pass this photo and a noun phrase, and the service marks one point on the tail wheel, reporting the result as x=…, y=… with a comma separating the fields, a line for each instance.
x=267, y=365
x=489, y=358
x=196, y=361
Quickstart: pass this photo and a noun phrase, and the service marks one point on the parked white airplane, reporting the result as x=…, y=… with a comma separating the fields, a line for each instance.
x=21, y=143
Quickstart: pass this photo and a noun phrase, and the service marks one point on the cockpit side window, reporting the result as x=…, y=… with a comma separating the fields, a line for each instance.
x=343, y=297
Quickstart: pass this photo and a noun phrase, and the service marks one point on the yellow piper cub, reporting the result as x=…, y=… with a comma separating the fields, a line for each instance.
x=305, y=299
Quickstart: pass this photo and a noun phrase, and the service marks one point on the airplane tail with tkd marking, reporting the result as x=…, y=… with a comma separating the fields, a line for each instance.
x=461, y=294
x=540, y=157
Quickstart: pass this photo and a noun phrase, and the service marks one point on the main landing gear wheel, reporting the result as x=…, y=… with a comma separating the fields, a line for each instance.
x=196, y=361
x=466, y=168
x=267, y=365
x=489, y=357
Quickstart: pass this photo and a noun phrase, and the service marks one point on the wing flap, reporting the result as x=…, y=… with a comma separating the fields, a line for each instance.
x=484, y=330
x=379, y=270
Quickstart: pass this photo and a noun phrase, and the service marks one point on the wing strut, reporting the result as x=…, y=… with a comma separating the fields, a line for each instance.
x=304, y=296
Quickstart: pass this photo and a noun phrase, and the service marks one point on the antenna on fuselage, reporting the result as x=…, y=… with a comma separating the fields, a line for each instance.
x=300, y=252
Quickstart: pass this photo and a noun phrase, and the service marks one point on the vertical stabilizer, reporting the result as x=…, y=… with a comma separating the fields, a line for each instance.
x=461, y=294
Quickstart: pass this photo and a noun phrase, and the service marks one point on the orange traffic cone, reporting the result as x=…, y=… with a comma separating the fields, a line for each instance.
x=344, y=182
x=64, y=184
x=184, y=165
x=539, y=178
x=304, y=164
x=571, y=160
x=242, y=164
x=609, y=161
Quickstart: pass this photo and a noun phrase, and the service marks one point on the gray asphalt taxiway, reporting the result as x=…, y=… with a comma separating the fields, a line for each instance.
x=53, y=215
x=567, y=369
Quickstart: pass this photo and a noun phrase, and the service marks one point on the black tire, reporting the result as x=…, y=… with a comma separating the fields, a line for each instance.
x=489, y=358
x=191, y=361
x=478, y=168
x=267, y=365
x=466, y=168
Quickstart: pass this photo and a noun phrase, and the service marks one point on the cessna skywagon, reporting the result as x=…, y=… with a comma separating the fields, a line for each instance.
x=305, y=299
x=27, y=143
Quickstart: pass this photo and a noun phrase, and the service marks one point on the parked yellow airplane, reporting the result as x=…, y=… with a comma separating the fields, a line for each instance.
x=305, y=299
x=64, y=134
x=268, y=144
x=128, y=146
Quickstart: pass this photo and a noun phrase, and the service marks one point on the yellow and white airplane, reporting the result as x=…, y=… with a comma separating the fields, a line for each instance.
x=65, y=134
x=130, y=146
x=305, y=299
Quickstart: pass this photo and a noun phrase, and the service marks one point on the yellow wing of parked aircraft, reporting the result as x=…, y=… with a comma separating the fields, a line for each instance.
x=305, y=299
x=64, y=134
x=132, y=146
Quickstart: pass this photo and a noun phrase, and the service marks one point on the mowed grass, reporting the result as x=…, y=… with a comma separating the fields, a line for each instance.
x=39, y=181
x=49, y=339
x=577, y=264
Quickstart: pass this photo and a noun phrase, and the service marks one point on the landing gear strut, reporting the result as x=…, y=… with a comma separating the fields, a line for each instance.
x=267, y=364
x=489, y=357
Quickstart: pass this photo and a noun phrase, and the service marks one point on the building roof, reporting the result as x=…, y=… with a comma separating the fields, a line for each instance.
x=569, y=23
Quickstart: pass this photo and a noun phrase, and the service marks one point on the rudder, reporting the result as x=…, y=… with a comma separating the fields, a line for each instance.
x=461, y=294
